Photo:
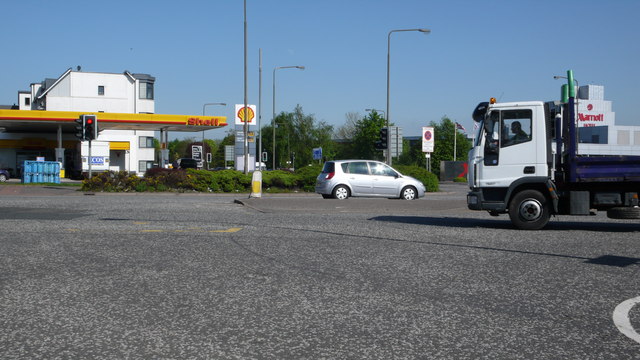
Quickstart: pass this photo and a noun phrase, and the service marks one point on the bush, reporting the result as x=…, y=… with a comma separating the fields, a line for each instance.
x=217, y=181
x=307, y=177
x=460, y=179
x=158, y=179
x=279, y=179
x=429, y=180
x=111, y=181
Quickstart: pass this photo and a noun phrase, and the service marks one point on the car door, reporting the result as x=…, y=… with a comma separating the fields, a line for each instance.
x=385, y=180
x=359, y=179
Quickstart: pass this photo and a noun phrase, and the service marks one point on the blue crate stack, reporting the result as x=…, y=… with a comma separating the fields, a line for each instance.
x=40, y=172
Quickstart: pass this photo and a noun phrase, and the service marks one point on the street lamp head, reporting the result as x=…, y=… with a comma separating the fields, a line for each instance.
x=300, y=67
x=426, y=31
x=559, y=77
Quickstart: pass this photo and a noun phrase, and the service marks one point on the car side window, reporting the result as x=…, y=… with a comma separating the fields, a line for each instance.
x=359, y=167
x=381, y=169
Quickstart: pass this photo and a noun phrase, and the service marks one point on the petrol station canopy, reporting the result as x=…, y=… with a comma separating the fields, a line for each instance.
x=42, y=121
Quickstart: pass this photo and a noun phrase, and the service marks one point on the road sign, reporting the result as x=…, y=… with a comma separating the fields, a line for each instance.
x=196, y=152
x=229, y=153
x=250, y=114
x=317, y=153
x=428, y=139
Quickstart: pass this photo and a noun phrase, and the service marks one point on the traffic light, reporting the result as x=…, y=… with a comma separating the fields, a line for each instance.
x=383, y=140
x=80, y=128
x=90, y=127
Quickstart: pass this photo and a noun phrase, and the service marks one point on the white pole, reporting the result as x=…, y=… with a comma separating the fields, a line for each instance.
x=455, y=132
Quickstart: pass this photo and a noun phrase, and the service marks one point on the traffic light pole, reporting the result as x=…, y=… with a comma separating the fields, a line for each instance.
x=89, y=159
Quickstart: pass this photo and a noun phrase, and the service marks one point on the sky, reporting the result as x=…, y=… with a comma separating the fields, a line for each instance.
x=195, y=49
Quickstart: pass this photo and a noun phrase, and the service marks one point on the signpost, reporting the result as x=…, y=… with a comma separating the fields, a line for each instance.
x=317, y=153
x=428, y=143
x=245, y=117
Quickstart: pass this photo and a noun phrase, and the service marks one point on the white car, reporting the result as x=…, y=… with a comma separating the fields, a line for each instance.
x=341, y=179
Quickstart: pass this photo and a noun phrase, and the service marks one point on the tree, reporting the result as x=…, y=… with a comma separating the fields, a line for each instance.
x=348, y=130
x=218, y=157
x=296, y=136
x=179, y=148
x=367, y=132
x=444, y=143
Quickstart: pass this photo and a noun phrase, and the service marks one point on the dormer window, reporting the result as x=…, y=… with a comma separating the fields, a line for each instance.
x=146, y=90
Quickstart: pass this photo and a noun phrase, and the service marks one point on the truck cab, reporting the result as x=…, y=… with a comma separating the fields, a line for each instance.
x=525, y=162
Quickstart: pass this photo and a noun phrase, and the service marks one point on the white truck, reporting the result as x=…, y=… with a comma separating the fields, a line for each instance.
x=525, y=162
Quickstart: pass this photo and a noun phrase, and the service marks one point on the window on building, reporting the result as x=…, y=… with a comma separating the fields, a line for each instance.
x=146, y=141
x=144, y=165
x=623, y=137
x=100, y=89
x=27, y=101
x=146, y=90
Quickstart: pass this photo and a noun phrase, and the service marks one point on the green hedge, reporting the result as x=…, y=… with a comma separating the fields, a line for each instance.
x=303, y=179
x=429, y=180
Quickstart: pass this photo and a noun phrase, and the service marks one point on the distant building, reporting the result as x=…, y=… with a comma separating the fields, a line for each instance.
x=598, y=133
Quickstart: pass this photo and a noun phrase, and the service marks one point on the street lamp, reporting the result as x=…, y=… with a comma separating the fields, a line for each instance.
x=424, y=31
x=203, y=107
x=273, y=119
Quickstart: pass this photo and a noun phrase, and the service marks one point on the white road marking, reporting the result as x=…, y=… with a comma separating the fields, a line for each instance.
x=622, y=321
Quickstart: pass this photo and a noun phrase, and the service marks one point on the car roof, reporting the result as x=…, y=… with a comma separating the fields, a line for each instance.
x=352, y=160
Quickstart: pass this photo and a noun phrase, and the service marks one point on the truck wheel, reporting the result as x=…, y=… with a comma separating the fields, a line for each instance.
x=529, y=210
x=624, y=213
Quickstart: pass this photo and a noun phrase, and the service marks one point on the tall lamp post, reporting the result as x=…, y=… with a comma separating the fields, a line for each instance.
x=425, y=31
x=203, y=107
x=273, y=118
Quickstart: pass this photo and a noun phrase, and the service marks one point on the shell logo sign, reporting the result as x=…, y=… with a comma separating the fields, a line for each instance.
x=250, y=114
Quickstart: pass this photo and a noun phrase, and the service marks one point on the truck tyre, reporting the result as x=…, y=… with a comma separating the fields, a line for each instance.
x=624, y=213
x=529, y=210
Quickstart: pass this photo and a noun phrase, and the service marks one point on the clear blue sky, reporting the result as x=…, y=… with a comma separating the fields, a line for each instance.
x=477, y=49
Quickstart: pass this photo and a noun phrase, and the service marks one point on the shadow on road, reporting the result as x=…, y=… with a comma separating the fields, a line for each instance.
x=506, y=224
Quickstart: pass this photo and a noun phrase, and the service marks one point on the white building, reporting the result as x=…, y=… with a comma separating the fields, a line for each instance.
x=597, y=130
x=78, y=91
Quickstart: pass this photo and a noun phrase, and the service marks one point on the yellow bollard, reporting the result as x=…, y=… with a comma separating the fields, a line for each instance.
x=256, y=184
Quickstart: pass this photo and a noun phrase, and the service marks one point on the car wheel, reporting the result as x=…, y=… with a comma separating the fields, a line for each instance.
x=409, y=193
x=3, y=177
x=529, y=210
x=341, y=192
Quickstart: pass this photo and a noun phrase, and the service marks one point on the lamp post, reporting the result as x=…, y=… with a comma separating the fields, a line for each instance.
x=425, y=31
x=246, y=97
x=273, y=118
x=203, y=146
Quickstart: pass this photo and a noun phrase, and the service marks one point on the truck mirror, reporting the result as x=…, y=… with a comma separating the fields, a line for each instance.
x=480, y=112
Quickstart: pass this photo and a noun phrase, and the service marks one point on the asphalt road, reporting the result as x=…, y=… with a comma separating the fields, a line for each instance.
x=181, y=276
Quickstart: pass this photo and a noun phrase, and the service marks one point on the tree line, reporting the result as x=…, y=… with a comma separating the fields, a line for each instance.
x=297, y=134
